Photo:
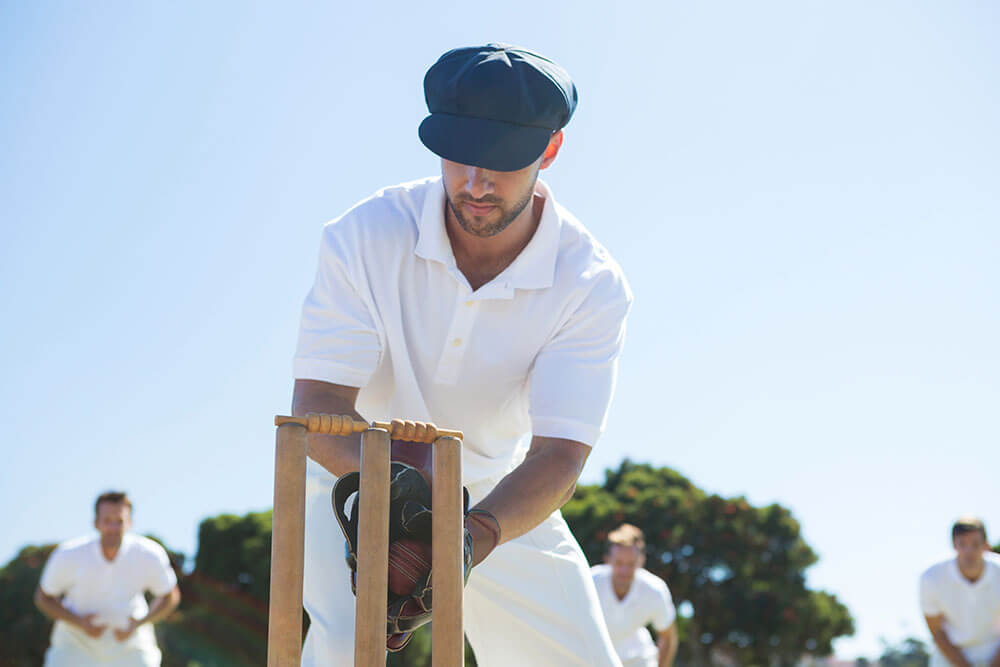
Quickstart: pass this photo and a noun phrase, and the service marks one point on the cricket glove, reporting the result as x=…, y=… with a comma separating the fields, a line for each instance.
x=410, y=581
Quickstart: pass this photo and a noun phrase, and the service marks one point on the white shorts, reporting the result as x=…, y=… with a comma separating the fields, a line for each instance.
x=531, y=603
x=71, y=647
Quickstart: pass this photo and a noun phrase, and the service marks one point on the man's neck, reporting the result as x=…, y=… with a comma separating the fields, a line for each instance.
x=973, y=573
x=110, y=550
x=621, y=589
x=483, y=259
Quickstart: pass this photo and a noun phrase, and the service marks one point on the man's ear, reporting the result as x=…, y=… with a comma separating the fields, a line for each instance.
x=552, y=150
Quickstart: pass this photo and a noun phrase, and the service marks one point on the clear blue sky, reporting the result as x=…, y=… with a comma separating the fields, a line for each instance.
x=803, y=195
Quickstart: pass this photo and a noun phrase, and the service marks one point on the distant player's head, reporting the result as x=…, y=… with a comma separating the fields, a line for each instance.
x=968, y=536
x=625, y=553
x=112, y=517
x=496, y=119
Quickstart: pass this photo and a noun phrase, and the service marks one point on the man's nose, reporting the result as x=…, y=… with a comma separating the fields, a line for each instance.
x=478, y=182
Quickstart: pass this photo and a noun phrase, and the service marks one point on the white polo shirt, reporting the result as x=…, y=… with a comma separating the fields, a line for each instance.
x=971, y=609
x=534, y=351
x=91, y=584
x=647, y=602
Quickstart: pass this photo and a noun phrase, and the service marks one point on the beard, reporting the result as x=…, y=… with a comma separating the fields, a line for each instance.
x=497, y=220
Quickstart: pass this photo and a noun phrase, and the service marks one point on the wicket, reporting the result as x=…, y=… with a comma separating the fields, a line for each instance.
x=284, y=640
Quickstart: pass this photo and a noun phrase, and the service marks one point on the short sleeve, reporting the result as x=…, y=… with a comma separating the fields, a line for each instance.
x=665, y=613
x=160, y=579
x=56, y=575
x=573, y=376
x=338, y=339
x=930, y=604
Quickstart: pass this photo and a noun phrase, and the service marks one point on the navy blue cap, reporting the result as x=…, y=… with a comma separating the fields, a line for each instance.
x=495, y=106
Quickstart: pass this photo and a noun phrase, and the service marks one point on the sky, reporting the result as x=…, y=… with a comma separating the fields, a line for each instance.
x=802, y=194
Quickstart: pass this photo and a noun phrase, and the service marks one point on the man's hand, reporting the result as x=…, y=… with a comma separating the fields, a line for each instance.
x=86, y=623
x=122, y=635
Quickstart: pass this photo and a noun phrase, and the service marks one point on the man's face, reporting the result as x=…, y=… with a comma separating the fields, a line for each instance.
x=112, y=522
x=484, y=202
x=970, y=548
x=624, y=561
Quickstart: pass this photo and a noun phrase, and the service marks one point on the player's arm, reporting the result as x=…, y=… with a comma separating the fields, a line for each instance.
x=543, y=483
x=160, y=608
x=951, y=652
x=995, y=661
x=53, y=607
x=337, y=454
x=666, y=642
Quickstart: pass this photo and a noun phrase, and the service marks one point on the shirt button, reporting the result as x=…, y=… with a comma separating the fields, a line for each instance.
x=469, y=303
x=456, y=342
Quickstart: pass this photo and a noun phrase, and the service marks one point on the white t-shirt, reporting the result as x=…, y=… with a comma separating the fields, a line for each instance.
x=971, y=609
x=647, y=602
x=534, y=351
x=90, y=584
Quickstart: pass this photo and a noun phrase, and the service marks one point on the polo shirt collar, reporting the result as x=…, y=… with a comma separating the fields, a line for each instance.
x=533, y=268
x=978, y=583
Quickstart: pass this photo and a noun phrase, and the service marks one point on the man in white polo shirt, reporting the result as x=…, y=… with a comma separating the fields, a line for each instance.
x=960, y=599
x=473, y=301
x=633, y=598
x=92, y=587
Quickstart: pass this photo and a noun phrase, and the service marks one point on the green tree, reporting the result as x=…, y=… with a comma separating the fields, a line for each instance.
x=24, y=631
x=222, y=620
x=908, y=653
x=740, y=567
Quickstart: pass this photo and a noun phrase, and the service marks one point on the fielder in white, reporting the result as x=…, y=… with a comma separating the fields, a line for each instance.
x=633, y=598
x=93, y=586
x=474, y=301
x=960, y=599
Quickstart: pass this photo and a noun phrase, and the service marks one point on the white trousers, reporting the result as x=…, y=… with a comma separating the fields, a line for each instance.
x=531, y=603
x=71, y=647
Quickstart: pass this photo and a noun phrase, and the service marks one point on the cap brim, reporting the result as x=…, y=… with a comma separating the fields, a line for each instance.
x=490, y=144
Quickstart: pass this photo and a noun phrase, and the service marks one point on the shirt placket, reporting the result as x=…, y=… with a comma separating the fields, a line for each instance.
x=458, y=339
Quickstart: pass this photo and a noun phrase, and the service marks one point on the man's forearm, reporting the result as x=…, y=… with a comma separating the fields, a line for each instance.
x=995, y=661
x=162, y=607
x=951, y=652
x=667, y=645
x=531, y=492
x=667, y=652
x=54, y=609
x=339, y=455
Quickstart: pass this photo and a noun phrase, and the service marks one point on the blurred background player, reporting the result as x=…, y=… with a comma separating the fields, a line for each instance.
x=633, y=598
x=960, y=599
x=93, y=586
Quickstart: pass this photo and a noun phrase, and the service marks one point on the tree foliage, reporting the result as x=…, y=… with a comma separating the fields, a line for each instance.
x=908, y=653
x=740, y=567
x=24, y=632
